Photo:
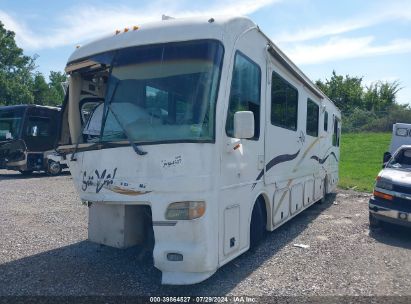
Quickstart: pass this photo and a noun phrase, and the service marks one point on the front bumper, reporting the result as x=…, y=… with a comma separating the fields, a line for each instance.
x=386, y=212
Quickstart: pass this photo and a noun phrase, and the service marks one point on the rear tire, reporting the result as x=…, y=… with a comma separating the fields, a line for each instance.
x=374, y=222
x=257, y=226
x=324, y=198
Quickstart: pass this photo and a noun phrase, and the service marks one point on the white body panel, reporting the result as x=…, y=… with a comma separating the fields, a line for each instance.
x=401, y=135
x=287, y=169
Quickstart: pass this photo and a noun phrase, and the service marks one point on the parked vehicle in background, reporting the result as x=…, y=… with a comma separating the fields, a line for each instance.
x=202, y=135
x=401, y=135
x=391, y=200
x=28, y=133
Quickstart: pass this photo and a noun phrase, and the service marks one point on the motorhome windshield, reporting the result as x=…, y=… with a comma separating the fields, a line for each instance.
x=161, y=93
x=10, y=123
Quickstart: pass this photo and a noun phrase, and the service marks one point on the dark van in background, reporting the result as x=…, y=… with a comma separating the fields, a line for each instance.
x=28, y=133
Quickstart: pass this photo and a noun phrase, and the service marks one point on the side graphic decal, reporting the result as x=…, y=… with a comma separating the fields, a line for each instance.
x=275, y=161
x=321, y=161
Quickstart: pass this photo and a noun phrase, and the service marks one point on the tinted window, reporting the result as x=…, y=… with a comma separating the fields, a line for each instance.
x=312, y=118
x=401, y=132
x=336, y=135
x=326, y=121
x=245, y=93
x=10, y=124
x=87, y=109
x=38, y=127
x=284, y=103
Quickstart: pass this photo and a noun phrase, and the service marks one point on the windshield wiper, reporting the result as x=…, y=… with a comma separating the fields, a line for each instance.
x=132, y=143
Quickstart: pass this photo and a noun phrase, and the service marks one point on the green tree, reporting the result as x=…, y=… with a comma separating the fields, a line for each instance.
x=41, y=90
x=346, y=92
x=15, y=71
x=19, y=83
x=381, y=96
x=55, y=85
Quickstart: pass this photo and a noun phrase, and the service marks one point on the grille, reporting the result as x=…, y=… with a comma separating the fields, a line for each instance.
x=402, y=189
x=398, y=204
x=34, y=161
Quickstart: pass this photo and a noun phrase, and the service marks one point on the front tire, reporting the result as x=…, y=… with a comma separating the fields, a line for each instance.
x=374, y=222
x=324, y=198
x=53, y=168
x=257, y=225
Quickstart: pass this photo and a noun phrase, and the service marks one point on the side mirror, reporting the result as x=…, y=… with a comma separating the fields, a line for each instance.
x=244, y=124
x=387, y=157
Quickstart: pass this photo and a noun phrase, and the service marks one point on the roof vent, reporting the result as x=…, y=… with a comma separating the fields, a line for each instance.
x=211, y=20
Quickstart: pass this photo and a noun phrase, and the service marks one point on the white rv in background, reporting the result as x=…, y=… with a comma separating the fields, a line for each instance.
x=401, y=135
x=200, y=135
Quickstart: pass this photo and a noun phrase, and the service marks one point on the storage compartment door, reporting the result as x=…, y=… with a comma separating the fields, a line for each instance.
x=318, y=189
x=231, y=229
x=281, y=209
x=308, y=192
x=297, y=197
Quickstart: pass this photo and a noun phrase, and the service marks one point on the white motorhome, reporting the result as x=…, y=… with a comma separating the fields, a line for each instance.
x=203, y=135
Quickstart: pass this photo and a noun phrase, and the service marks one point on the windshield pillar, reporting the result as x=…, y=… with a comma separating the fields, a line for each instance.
x=74, y=113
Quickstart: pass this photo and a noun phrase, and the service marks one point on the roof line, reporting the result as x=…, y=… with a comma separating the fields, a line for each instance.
x=287, y=63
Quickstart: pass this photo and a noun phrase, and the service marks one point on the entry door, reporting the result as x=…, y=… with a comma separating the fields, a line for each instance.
x=240, y=157
x=284, y=137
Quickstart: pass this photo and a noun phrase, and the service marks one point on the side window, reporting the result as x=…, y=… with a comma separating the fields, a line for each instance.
x=336, y=134
x=312, y=118
x=401, y=132
x=284, y=103
x=326, y=121
x=38, y=127
x=87, y=108
x=245, y=93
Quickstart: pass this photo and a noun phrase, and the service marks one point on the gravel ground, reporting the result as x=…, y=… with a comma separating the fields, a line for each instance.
x=44, y=251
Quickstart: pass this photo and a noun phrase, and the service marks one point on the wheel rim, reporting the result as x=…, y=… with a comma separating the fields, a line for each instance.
x=54, y=168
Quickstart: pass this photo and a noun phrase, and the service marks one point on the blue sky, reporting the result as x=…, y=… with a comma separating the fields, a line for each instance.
x=368, y=38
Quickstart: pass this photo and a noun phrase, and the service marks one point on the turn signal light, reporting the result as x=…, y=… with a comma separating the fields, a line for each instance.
x=383, y=195
x=185, y=210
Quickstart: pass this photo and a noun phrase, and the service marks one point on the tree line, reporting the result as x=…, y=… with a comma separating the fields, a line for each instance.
x=371, y=107
x=20, y=82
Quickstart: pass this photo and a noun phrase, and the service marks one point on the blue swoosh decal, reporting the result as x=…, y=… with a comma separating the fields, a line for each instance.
x=321, y=161
x=275, y=161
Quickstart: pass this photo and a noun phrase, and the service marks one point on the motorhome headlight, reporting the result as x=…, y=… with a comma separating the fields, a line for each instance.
x=185, y=210
x=383, y=183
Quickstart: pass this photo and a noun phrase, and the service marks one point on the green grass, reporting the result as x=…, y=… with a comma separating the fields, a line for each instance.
x=361, y=159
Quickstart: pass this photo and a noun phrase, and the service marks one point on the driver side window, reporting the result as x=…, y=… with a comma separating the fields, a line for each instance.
x=244, y=93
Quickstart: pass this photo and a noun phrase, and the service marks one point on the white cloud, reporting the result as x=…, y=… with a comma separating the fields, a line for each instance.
x=398, y=11
x=79, y=24
x=337, y=48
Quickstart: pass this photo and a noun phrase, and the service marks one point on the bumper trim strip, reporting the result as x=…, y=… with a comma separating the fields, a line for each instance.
x=164, y=223
x=394, y=214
